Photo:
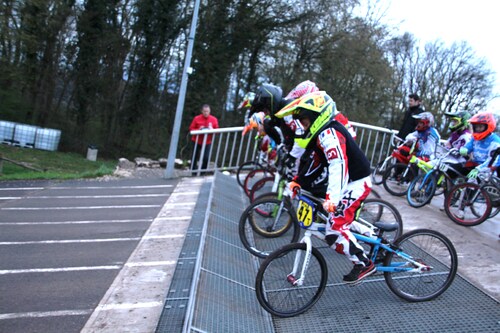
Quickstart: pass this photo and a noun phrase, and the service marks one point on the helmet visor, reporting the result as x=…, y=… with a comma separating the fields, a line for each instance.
x=479, y=128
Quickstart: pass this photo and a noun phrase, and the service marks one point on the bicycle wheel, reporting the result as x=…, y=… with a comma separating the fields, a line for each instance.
x=264, y=185
x=253, y=177
x=421, y=190
x=379, y=170
x=266, y=225
x=373, y=194
x=467, y=204
x=376, y=211
x=397, y=178
x=279, y=289
x=494, y=192
x=244, y=169
x=428, y=247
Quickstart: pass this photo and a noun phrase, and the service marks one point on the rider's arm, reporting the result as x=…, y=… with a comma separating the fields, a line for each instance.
x=332, y=144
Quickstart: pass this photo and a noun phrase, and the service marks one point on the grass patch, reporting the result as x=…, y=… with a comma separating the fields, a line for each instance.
x=26, y=163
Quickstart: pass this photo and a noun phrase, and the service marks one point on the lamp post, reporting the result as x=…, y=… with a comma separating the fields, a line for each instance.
x=169, y=171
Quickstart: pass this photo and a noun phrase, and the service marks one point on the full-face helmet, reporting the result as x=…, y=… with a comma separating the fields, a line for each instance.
x=425, y=121
x=318, y=107
x=302, y=89
x=458, y=120
x=483, y=124
x=268, y=99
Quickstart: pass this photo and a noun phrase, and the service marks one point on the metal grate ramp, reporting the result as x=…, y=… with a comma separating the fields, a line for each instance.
x=225, y=298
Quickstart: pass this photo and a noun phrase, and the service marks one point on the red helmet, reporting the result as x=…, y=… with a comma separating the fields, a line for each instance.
x=425, y=120
x=483, y=124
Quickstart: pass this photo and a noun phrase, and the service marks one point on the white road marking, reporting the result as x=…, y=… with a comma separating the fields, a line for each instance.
x=4, y=316
x=96, y=240
x=57, y=270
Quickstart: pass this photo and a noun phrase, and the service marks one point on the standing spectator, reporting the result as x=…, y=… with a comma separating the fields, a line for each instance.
x=202, y=121
x=409, y=122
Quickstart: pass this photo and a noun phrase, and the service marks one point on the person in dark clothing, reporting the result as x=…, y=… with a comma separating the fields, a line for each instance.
x=409, y=122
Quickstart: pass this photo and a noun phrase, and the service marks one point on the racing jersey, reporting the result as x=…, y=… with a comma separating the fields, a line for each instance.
x=335, y=150
x=481, y=150
x=427, y=142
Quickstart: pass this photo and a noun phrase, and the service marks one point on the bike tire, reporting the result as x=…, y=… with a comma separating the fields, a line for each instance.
x=274, y=287
x=424, y=246
x=264, y=185
x=397, y=178
x=376, y=210
x=253, y=177
x=244, y=169
x=262, y=233
x=379, y=170
x=421, y=190
x=467, y=204
x=493, y=192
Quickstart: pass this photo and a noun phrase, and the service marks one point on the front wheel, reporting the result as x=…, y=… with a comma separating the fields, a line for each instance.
x=421, y=190
x=266, y=225
x=244, y=169
x=379, y=170
x=279, y=286
x=467, y=204
x=427, y=247
x=397, y=178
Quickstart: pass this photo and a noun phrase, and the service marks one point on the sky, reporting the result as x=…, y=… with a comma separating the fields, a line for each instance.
x=476, y=22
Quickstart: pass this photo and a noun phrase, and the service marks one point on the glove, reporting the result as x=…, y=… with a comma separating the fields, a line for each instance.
x=292, y=189
x=454, y=152
x=463, y=151
x=473, y=173
x=329, y=206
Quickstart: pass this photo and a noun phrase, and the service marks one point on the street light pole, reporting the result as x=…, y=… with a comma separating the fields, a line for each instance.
x=169, y=171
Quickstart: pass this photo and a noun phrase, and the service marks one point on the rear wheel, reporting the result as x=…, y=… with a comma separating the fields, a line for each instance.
x=427, y=247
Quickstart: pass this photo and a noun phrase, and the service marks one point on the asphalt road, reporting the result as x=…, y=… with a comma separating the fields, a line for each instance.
x=62, y=245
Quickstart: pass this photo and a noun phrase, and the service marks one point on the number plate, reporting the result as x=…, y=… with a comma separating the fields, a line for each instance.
x=443, y=167
x=305, y=213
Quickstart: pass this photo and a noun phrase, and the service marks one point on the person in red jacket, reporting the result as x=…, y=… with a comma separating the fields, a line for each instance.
x=202, y=121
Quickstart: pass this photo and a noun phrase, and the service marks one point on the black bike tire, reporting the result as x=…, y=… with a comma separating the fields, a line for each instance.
x=244, y=167
x=250, y=181
x=395, y=212
x=280, y=254
x=251, y=246
x=387, y=174
x=429, y=193
x=376, y=173
x=449, y=200
x=420, y=280
x=259, y=185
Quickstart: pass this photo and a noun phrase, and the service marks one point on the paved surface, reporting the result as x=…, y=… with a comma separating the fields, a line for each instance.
x=90, y=256
x=129, y=294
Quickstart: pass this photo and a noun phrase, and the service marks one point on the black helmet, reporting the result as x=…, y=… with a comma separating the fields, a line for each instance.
x=268, y=98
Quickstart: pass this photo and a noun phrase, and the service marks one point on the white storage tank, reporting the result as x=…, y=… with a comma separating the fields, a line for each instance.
x=47, y=139
x=6, y=131
x=24, y=135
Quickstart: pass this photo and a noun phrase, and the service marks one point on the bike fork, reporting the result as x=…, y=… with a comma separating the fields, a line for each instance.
x=298, y=260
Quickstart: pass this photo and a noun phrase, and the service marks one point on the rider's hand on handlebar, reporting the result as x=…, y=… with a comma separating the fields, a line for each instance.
x=292, y=189
x=454, y=152
x=473, y=173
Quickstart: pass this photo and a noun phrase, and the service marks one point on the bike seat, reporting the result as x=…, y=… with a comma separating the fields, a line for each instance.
x=386, y=226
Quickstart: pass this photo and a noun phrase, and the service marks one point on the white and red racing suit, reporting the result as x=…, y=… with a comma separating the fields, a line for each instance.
x=348, y=183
